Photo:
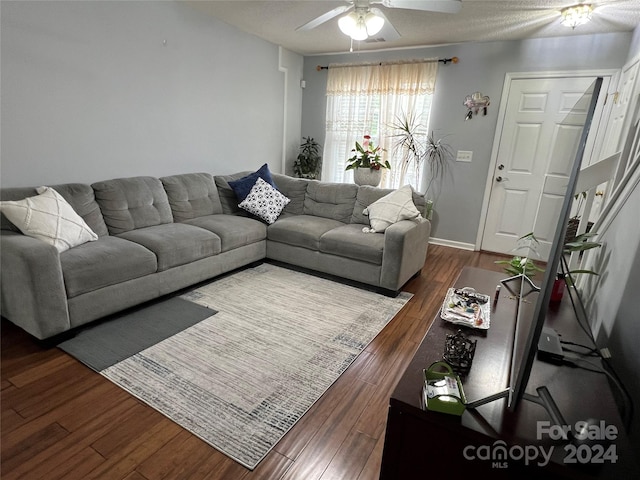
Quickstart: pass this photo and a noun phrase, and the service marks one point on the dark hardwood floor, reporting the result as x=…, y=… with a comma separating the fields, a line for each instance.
x=60, y=420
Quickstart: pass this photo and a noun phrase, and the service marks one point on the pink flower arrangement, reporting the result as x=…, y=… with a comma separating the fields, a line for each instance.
x=367, y=155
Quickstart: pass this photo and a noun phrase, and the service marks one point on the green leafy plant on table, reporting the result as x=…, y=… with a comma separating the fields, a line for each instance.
x=523, y=265
x=520, y=266
x=580, y=243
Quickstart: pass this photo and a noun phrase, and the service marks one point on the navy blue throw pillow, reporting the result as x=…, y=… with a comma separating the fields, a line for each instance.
x=243, y=186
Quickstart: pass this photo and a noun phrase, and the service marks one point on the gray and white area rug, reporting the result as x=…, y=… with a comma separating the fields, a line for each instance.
x=240, y=379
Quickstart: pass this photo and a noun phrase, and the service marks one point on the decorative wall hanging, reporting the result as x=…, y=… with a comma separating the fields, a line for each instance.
x=476, y=102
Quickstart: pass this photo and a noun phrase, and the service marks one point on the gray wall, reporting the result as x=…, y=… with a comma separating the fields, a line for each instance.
x=97, y=90
x=482, y=67
x=611, y=298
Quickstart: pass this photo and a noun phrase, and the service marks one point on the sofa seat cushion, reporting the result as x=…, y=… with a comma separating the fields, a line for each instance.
x=350, y=241
x=301, y=230
x=107, y=261
x=176, y=243
x=234, y=231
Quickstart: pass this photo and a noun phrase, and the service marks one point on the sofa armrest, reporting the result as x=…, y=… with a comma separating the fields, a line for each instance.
x=32, y=286
x=405, y=251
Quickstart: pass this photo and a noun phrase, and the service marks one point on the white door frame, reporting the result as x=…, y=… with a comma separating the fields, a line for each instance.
x=509, y=77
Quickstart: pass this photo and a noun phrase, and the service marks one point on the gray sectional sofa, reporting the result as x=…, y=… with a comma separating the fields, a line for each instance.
x=160, y=235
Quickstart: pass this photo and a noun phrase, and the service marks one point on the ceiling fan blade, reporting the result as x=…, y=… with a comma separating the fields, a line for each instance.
x=388, y=31
x=442, y=6
x=324, y=18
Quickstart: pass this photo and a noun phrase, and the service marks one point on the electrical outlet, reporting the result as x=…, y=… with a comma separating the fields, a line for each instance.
x=464, y=156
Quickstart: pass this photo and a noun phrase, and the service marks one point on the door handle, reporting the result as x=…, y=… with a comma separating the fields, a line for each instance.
x=500, y=167
x=498, y=179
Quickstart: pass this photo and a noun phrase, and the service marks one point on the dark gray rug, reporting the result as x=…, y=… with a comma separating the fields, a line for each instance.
x=105, y=344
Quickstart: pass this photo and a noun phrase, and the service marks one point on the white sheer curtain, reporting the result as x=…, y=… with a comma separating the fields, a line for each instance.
x=367, y=100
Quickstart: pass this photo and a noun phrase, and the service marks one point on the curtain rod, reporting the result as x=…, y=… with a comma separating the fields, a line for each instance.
x=443, y=60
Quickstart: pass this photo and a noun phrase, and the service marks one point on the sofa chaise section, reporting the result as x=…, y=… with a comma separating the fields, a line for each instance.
x=330, y=236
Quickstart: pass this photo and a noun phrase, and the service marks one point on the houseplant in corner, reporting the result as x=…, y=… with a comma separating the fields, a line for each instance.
x=366, y=163
x=415, y=146
x=309, y=161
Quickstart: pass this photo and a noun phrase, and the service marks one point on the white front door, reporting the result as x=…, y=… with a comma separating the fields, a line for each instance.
x=542, y=126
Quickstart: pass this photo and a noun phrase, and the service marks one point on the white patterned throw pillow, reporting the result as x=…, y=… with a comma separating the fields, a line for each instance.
x=50, y=218
x=393, y=207
x=264, y=201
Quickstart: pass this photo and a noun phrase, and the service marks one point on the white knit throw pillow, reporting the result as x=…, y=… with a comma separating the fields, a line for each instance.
x=393, y=207
x=50, y=218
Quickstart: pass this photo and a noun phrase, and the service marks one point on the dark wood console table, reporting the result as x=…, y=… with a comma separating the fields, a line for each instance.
x=422, y=444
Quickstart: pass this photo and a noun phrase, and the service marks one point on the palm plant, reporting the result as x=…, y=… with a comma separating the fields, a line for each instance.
x=438, y=155
x=415, y=146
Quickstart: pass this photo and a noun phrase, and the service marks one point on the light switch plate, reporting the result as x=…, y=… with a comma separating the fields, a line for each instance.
x=464, y=156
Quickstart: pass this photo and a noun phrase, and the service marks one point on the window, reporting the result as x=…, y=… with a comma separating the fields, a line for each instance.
x=368, y=100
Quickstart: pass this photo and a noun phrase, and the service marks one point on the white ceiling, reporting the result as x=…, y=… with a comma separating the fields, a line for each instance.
x=478, y=21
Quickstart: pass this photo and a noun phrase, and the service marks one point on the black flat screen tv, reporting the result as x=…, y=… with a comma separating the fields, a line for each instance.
x=530, y=321
x=528, y=330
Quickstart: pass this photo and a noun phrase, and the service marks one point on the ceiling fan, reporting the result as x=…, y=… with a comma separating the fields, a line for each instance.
x=364, y=21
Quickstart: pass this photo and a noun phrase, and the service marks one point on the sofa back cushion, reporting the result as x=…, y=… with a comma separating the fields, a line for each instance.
x=228, y=198
x=191, y=195
x=130, y=203
x=294, y=189
x=330, y=200
x=79, y=195
x=367, y=195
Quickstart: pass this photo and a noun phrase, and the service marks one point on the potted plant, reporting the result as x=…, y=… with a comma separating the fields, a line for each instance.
x=416, y=147
x=366, y=163
x=580, y=244
x=521, y=267
x=438, y=157
x=407, y=144
x=309, y=161
x=572, y=226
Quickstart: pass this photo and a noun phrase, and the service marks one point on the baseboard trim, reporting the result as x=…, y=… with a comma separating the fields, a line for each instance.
x=452, y=243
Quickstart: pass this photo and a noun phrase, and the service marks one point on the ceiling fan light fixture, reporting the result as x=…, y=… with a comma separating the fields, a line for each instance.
x=360, y=26
x=374, y=23
x=348, y=23
x=576, y=15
